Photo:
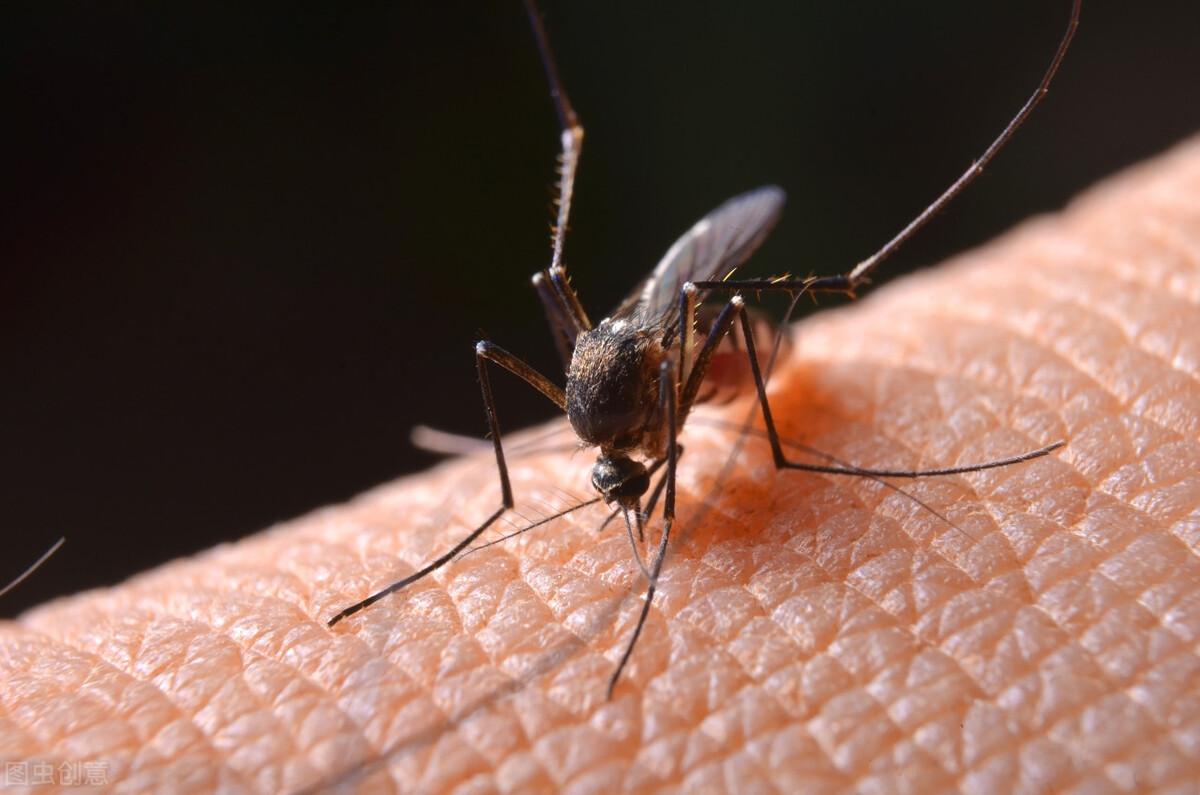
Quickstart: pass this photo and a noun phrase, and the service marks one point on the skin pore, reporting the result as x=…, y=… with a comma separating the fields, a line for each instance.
x=811, y=633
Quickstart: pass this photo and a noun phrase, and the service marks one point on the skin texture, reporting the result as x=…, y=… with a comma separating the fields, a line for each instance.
x=811, y=633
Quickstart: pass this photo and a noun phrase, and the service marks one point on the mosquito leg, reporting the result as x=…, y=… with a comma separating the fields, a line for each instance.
x=733, y=311
x=658, y=487
x=863, y=269
x=667, y=396
x=689, y=296
x=484, y=352
x=720, y=328
x=572, y=133
x=781, y=461
x=812, y=284
x=562, y=328
x=563, y=308
x=558, y=277
x=859, y=275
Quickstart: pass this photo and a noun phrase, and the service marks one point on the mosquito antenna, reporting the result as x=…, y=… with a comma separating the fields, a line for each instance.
x=34, y=567
x=863, y=269
x=570, y=496
x=550, y=506
x=531, y=526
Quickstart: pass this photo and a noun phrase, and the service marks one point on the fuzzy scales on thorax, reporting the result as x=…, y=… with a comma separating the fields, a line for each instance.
x=612, y=388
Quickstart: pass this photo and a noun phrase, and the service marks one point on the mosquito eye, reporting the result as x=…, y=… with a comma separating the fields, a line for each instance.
x=633, y=486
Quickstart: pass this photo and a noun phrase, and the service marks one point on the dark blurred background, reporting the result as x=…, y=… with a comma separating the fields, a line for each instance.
x=246, y=248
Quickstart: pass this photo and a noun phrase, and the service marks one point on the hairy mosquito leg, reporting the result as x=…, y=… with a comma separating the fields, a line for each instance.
x=562, y=328
x=569, y=298
x=571, y=135
x=720, y=328
x=794, y=287
x=563, y=308
x=484, y=352
x=667, y=395
x=564, y=312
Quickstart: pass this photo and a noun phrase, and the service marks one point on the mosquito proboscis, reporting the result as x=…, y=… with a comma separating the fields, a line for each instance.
x=633, y=378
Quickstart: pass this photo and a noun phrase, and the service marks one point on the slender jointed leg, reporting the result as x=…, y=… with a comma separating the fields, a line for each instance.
x=658, y=488
x=572, y=133
x=564, y=312
x=563, y=308
x=781, y=461
x=735, y=311
x=720, y=329
x=484, y=352
x=569, y=298
x=562, y=328
x=668, y=396
x=859, y=275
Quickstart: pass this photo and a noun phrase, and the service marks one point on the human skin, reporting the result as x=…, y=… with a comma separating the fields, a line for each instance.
x=1032, y=628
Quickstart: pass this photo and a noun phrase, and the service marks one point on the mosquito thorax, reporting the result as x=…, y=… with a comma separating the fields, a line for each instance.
x=612, y=386
x=620, y=479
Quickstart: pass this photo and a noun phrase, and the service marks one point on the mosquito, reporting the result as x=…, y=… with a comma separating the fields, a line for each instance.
x=633, y=378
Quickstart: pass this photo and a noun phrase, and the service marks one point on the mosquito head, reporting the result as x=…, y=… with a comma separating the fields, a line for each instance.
x=620, y=479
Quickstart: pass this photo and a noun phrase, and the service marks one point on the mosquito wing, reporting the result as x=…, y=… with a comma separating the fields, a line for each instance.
x=711, y=249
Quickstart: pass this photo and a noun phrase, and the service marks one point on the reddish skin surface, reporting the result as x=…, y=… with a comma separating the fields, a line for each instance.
x=811, y=633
